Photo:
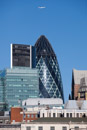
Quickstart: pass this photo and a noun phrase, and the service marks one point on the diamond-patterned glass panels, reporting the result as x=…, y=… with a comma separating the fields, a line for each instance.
x=50, y=84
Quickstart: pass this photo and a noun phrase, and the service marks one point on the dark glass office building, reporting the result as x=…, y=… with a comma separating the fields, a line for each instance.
x=50, y=82
x=22, y=55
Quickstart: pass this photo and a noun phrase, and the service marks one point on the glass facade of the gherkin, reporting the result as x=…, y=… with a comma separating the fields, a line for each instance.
x=50, y=83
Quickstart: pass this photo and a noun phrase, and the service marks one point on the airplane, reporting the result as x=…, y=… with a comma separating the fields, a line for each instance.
x=41, y=7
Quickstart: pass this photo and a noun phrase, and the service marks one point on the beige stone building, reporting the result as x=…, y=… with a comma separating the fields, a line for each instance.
x=79, y=84
x=56, y=124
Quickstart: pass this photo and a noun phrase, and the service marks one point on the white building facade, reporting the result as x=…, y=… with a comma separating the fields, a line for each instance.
x=55, y=126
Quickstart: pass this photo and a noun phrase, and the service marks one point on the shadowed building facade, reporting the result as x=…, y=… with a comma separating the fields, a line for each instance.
x=22, y=56
x=50, y=82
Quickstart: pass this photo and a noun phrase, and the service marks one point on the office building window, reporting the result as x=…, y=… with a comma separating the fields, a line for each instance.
x=40, y=128
x=76, y=128
x=77, y=114
x=52, y=128
x=53, y=114
x=28, y=128
x=70, y=114
x=67, y=114
x=64, y=128
x=28, y=115
x=35, y=116
x=32, y=116
x=43, y=114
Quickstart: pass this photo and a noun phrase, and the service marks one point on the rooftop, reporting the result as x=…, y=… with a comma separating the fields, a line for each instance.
x=42, y=101
x=71, y=104
x=60, y=120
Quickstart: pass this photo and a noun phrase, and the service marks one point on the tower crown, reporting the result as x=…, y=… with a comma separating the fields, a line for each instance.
x=43, y=46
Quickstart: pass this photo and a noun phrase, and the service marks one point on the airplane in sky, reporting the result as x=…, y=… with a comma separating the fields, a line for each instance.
x=41, y=7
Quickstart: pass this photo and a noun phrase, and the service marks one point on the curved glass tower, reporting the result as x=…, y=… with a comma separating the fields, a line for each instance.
x=50, y=83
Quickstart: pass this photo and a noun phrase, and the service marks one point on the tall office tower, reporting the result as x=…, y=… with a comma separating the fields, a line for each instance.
x=50, y=82
x=79, y=84
x=22, y=55
x=2, y=79
x=17, y=84
x=1, y=89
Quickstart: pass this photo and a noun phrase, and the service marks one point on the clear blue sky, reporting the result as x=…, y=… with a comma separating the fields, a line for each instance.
x=63, y=22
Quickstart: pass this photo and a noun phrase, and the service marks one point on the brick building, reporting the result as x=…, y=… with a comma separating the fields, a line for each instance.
x=18, y=115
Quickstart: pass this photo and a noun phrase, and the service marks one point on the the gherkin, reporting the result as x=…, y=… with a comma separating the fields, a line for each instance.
x=50, y=83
